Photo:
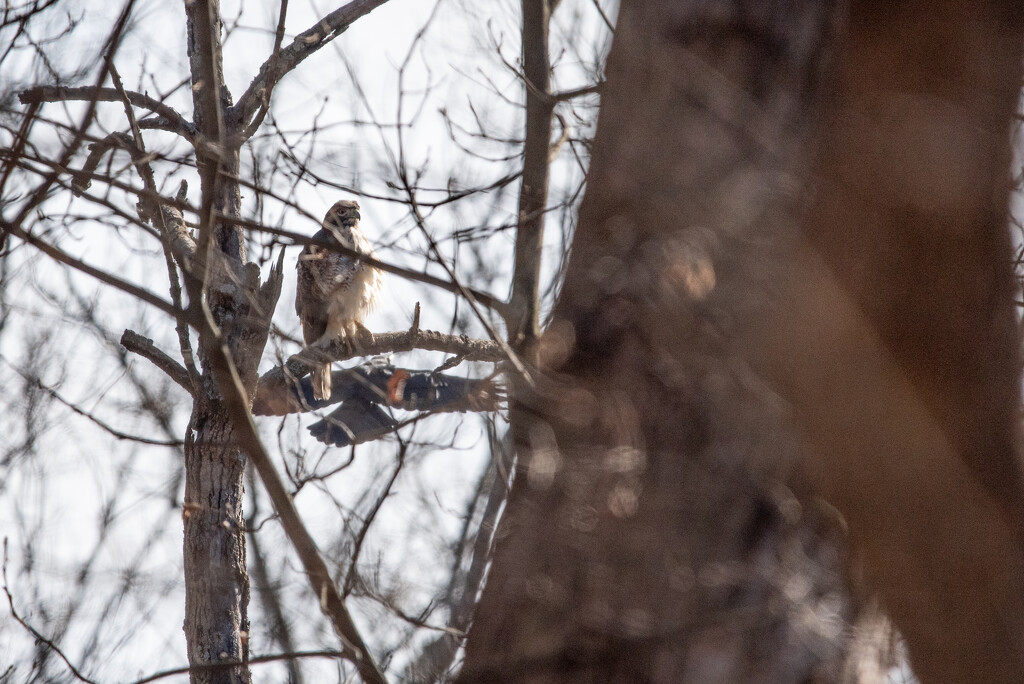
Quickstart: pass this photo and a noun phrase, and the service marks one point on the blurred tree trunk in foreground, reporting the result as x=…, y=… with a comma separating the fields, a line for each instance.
x=897, y=341
x=661, y=528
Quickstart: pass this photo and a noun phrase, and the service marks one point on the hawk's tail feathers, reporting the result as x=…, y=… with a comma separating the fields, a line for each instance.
x=321, y=379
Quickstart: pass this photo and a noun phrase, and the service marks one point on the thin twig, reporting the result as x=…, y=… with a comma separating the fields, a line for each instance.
x=100, y=423
x=275, y=56
x=79, y=265
x=152, y=209
x=34, y=632
x=255, y=660
x=39, y=194
x=305, y=44
x=352, y=573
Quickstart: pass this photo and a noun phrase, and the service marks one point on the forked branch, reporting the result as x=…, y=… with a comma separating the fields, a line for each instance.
x=305, y=44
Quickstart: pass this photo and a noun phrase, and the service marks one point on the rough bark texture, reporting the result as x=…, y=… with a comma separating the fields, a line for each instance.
x=648, y=537
x=898, y=342
x=216, y=582
x=239, y=311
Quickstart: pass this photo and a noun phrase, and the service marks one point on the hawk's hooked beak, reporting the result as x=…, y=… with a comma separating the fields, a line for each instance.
x=356, y=212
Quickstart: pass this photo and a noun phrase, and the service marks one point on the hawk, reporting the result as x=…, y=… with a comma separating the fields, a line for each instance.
x=335, y=291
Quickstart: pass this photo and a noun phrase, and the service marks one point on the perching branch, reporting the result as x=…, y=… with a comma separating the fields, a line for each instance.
x=385, y=343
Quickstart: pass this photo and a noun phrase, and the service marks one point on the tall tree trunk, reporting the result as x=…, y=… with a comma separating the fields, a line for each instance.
x=648, y=537
x=232, y=310
x=216, y=582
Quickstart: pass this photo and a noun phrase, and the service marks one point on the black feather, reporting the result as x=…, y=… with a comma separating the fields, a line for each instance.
x=353, y=422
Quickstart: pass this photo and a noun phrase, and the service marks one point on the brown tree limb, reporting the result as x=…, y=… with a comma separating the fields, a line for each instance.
x=144, y=347
x=565, y=95
x=175, y=121
x=469, y=348
x=81, y=179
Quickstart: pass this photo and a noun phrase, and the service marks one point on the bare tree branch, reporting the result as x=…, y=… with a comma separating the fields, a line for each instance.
x=438, y=655
x=18, y=148
x=176, y=121
x=35, y=381
x=469, y=348
x=39, y=193
x=270, y=66
x=305, y=44
x=277, y=382
x=565, y=95
x=144, y=347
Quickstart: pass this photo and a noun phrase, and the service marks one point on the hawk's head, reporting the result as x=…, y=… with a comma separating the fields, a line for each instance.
x=343, y=214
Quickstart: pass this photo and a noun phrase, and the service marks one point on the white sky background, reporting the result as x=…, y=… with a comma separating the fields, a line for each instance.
x=50, y=507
